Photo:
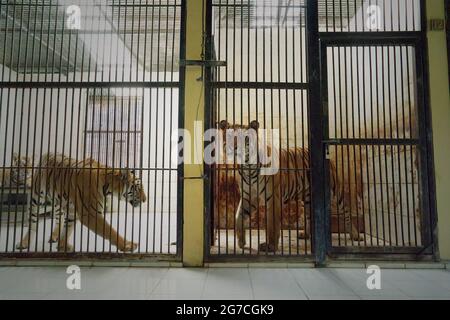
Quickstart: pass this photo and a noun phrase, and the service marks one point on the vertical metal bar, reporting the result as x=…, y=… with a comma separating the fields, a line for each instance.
x=366, y=134
x=404, y=148
x=14, y=123
x=382, y=131
x=85, y=149
x=75, y=69
x=339, y=149
x=355, y=162
x=385, y=50
x=315, y=120
x=360, y=135
x=233, y=74
x=241, y=92
x=392, y=135
x=211, y=120
x=43, y=117
x=2, y=94
x=428, y=221
x=304, y=77
x=19, y=166
x=171, y=130
x=171, y=125
x=278, y=68
x=397, y=125
x=294, y=93
x=264, y=121
x=34, y=127
x=251, y=196
x=163, y=158
x=150, y=133
x=347, y=147
x=77, y=160
x=413, y=134
x=144, y=92
x=226, y=117
x=109, y=162
x=135, y=98
x=156, y=127
x=272, y=115
x=286, y=100
x=28, y=118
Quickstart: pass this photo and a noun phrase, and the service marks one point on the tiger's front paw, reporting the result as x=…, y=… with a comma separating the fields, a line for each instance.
x=267, y=247
x=129, y=247
x=23, y=245
x=53, y=239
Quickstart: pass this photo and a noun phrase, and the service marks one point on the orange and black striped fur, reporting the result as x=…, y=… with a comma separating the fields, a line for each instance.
x=290, y=183
x=80, y=190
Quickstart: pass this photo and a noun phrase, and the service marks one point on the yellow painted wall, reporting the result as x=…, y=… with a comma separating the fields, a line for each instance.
x=440, y=109
x=193, y=228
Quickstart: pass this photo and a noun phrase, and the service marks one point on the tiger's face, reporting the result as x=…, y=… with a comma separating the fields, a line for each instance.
x=243, y=146
x=21, y=171
x=21, y=162
x=132, y=189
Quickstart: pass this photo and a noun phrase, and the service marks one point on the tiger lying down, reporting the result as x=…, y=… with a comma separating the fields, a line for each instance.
x=81, y=188
x=277, y=189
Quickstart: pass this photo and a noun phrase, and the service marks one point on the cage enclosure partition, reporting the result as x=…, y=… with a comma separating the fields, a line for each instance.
x=92, y=92
x=372, y=128
x=89, y=102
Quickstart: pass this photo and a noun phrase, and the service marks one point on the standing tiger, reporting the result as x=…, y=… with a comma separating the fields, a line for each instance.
x=279, y=189
x=81, y=188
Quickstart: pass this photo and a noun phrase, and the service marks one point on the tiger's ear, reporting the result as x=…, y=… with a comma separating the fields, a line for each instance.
x=254, y=125
x=223, y=125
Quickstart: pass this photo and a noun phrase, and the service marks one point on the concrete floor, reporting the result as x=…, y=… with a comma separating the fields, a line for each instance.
x=222, y=283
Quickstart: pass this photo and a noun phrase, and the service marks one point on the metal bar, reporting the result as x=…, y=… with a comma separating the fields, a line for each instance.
x=427, y=220
x=260, y=85
x=81, y=85
x=372, y=142
x=370, y=38
x=316, y=126
x=208, y=63
x=181, y=124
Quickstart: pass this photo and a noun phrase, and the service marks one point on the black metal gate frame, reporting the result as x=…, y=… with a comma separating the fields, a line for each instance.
x=316, y=86
x=210, y=85
x=417, y=39
x=180, y=85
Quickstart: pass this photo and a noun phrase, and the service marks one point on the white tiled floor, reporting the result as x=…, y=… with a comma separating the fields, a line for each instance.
x=221, y=283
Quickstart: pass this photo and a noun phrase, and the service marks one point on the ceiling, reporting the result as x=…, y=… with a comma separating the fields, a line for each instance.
x=34, y=37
